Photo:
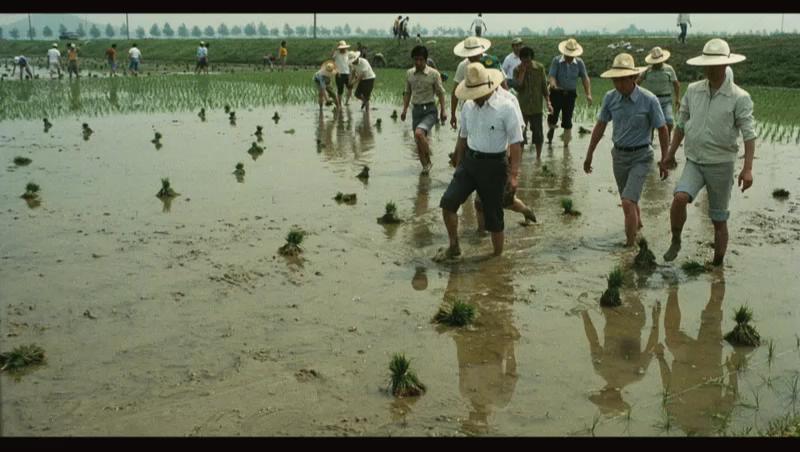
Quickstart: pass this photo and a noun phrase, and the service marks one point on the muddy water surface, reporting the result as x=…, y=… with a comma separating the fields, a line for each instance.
x=181, y=318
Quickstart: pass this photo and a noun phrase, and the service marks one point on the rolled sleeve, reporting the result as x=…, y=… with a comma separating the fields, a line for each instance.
x=462, y=132
x=657, y=119
x=582, y=69
x=744, y=118
x=604, y=115
x=683, y=113
x=513, y=126
x=438, y=88
x=553, y=68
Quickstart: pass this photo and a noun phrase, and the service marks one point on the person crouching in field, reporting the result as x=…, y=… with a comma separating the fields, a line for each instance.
x=22, y=62
x=322, y=79
x=635, y=112
x=363, y=78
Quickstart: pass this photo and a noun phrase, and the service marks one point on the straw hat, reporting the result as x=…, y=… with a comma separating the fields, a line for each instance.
x=657, y=55
x=570, y=47
x=516, y=41
x=623, y=66
x=472, y=46
x=478, y=82
x=55, y=44
x=72, y=45
x=343, y=45
x=716, y=52
x=352, y=56
x=328, y=68
x=202, y=42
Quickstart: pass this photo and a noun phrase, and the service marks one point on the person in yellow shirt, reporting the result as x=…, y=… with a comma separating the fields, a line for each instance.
x=283, y=52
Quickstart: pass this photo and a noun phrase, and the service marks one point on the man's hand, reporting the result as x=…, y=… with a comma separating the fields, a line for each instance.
x=663, y=169
x=513, y=182
x=670, y=162
x=587, y=165
x=443, y=116
x=454, y=122
x=589, y=100
x=549, y=107
x=403, y=115
x=745, y=179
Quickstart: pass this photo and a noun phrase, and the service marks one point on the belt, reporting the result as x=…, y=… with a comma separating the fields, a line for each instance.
x=425, y=104
x=632, y=149
x=485, y=155
x=663, y=95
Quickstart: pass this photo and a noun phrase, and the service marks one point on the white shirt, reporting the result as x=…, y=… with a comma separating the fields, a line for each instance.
x=135, y=53
x=342, y=63
x=729, y=73
x=478, y=22
x=53, y=55
x=461, y=71
x=510, y=63
x=684, y=19
x=363, y=69
x=493, y=126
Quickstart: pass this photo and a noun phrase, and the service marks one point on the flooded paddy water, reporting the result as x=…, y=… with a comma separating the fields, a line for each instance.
x=180, y=317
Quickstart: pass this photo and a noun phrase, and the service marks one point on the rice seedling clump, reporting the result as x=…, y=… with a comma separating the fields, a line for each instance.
x=404, y=382
x=458, y=313
x=31, y=191
x=566, y=204
x=21, y=357
x=780, y=193
x=364, y=174
x=22, y=161
x=390, y=215
x=743, y=333
x=645, y=260
x=293, y=240
x=166, y=190
x=610, y=297
x=694, y=268
x=347, y=198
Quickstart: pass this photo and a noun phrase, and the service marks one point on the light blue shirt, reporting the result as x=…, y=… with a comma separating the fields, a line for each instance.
x=202, y=52
x=633, y=116
x=567, y=74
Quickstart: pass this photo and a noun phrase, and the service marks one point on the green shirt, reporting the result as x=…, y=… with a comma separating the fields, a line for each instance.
x=659, y=81
x=424, y=85
x=532, y=90
x=711, y=124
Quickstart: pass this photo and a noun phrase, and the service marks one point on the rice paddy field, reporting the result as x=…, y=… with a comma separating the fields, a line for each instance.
x=178, y=315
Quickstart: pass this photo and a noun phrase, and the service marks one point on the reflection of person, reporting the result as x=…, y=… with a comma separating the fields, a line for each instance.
x=75, y=95
x=661, y=80
x=471, y=50
x=420, y=279
x=683, y=21
x=342, y=60
x=423, y=84
x=54, y=60
x=712, y=114
x=695, y=363
x=620, y=360
x=489, y=124
x=322, y=79
x=487, y=364
x=565, y=70
x=531, y=85
x=635, y=112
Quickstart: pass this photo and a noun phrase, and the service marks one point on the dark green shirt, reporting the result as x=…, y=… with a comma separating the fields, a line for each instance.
x=533, y=88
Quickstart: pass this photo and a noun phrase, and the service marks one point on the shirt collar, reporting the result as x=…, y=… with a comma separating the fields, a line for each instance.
x=494, y=100
x=634, y=95
x=725, y=89
x=425, y=71
x=561, y=59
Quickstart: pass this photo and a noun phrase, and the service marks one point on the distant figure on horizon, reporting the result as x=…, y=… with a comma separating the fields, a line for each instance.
x=72, y=61
x=54, y=60
x=135, y=56
x=683, y=21
x=202, y=58
x=396, y=27
x=283, y=53
x=22, y=62
x=478, y=25
x=111, y=57
x=404, y=28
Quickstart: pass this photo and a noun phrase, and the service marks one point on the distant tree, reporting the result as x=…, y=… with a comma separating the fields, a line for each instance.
x=262, y=29
x=167, y=30
x=155, y=31
x=140, y=33
x=236, y=30
x=274, y=31
x=525, y=31
x=557, y=31
x=94, y=32
x=80, y=31
x=123, y=30
x=459, y=31
x=1, y=32
x=372, y=32
x=183, y=31
x=346, y=30
x=14, y=33
x=250, y=29
x=209, y=31
x=47, y=31
x=62, y=29
x=323, y=31
x=110, y=31
x=359, y=31
x=287, y=30
x=223, y=30
x=197, y=32
x=338, y=31
x=301, y=30
x=417, y=28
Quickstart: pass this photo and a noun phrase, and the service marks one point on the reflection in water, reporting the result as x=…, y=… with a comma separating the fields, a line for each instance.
x=33, y=202
x=620, y=360
x=656, y=195
x=201, y=88
x=420, y=279
x=486, y=360
x=421, y=234
x=566, y=173
x=239, y=177
x=113, y=87
x=167, y=202
x=75, y=95
x=366, y=135
x=24, y=92
x=696, y=401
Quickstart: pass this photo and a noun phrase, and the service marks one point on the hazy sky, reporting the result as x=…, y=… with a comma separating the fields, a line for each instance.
x=496, y=22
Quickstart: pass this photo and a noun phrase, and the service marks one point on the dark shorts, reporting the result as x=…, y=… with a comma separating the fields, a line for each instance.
x=72, y=65
x=537, y=133
x=486, y=176
x=364, y=89
x=112, y=63
x=424, y=116
x=341, y=81
x=202, y=62
x=564, y=104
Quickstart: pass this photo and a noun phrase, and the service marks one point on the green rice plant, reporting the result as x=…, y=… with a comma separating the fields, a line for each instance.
x=227, y=108
x=156, y=138
x=566, y=204
x=403, y=381
x=770, y=352
x=255, y=150
x=364, y=174
x=293, y=240
x=611, y=297
x=21, y=357
x=457, y=313
x=394, y=115
x=166, y=190
x=666, y=422
x=31, y=191
x=276, y=117
x=787, y=426
x=390, y=215
x=22, y=161
x=780, y=193
x=743, y=333
x=693, y=268
x=239, y=171
x=349, y=198
x=202, y=114
x=259, y=131
x=645, y=259
x=47, y=125
x=595, y=422
x=615, y=277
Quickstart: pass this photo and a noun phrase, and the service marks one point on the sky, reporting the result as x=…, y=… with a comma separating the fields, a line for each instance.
x=707, y=23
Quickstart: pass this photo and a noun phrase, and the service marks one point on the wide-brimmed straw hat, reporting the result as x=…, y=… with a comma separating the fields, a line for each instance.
x=55, y=44
x=478, y=82
x=623, y=66
x=352, y=56
x=328, y=68
x=657, y=55
x=343, y=45
x=716, y=52
x=516, y=41
x=202, y=42
x=472, y=46
x=570, y=47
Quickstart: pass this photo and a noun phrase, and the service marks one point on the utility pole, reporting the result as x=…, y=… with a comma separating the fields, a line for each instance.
x=315, y=26
x=30, y=28
x=782, y=22
x=127, y=27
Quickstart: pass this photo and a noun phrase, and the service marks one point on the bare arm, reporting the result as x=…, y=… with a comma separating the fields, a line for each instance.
x=461, y=147
x=746, y=176
x=676, y=88
x=597, y=133
x=516, y=157
x=677, y=139
x=453, y=106
x=553, y=84
x=663, y=138
x=587, y=87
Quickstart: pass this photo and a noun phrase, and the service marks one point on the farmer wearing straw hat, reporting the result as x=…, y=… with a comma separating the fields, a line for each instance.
x=635, y=112
x=565, y=70
x=202, y=58
x=342, y=62
x=661, y=80
x=511, y=62
x=322, y=79
x=712, y=114
x=363, y=78
x=472, y=50
x=489, y=123
x=422, y=83
x=54, y=60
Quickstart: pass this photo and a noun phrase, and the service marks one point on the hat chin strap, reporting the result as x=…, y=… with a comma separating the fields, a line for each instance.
x=489, y=83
